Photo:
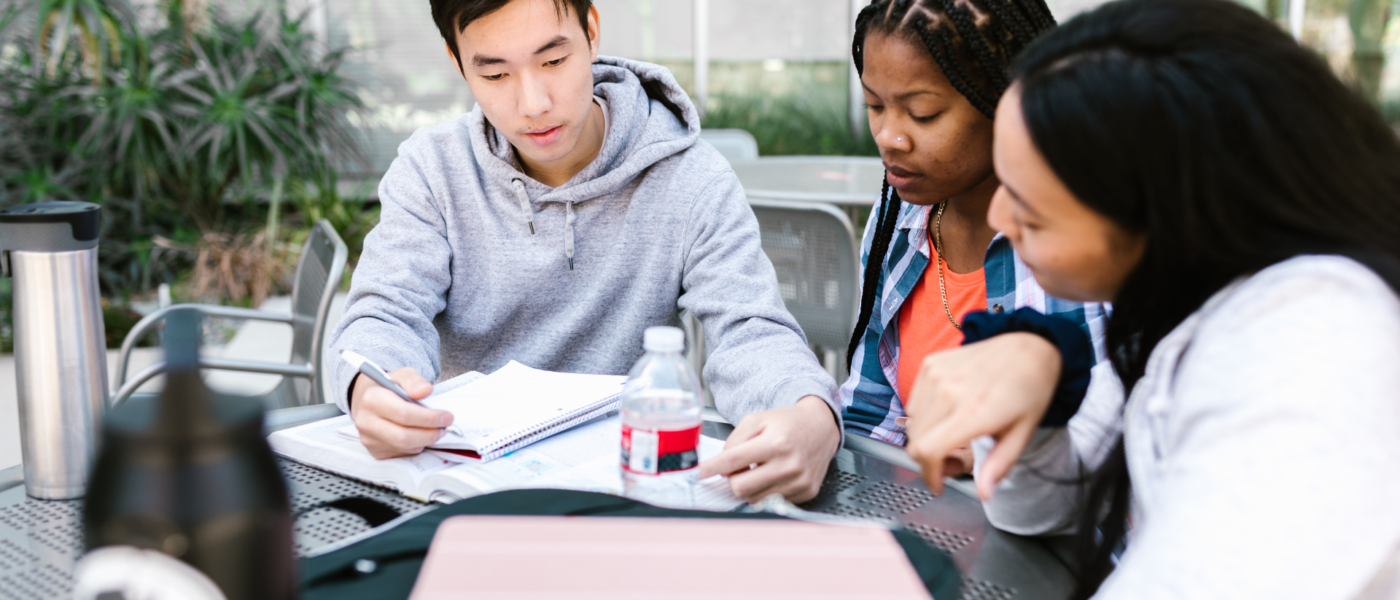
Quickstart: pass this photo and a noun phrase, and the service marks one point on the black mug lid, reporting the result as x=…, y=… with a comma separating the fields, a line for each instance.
x=59, y=226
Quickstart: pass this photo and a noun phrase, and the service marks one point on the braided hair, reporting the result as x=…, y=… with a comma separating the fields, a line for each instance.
x=973, y=42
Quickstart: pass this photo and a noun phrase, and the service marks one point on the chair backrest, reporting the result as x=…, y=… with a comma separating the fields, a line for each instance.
x=733, y=144
x=813, y=250
x=317, y=279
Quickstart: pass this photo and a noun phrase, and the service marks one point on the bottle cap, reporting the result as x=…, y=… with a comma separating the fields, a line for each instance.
x=663, y=339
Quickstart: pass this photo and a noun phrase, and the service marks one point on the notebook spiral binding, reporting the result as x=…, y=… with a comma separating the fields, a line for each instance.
x=525, y=437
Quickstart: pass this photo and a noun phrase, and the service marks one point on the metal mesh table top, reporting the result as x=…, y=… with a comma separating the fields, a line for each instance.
x=41, y=540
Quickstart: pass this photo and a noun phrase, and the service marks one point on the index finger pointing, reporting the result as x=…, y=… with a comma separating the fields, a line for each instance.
x=931, y=448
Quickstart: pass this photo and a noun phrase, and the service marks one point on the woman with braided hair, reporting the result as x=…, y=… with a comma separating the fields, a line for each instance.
x=933, y=72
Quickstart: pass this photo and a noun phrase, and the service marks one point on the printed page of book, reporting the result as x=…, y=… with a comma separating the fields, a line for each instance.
x=585, y=458
x=548, y=460
x=321, y=445
x=604, y=475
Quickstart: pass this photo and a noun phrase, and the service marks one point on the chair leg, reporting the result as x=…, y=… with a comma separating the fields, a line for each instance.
x=831, y=359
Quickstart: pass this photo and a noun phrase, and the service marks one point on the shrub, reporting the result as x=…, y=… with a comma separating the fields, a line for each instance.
x=177, y=129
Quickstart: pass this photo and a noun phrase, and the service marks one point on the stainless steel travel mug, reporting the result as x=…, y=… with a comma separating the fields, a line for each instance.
x=50, y=250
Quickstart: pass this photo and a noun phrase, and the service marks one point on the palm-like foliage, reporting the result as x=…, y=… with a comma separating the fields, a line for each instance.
x=168, y=128
x=95, y=25
x=321, y=102
x=126, y=117
x=38, y=147
x=239, y=125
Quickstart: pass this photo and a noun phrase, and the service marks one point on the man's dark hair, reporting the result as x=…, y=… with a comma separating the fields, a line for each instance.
x=973, y=42
x=453, y=16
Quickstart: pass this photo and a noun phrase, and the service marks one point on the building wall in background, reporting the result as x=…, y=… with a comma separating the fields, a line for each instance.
x=407, y=81
x=746, y=30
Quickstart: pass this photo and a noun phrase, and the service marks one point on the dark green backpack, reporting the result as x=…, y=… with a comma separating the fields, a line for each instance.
x=386, y=565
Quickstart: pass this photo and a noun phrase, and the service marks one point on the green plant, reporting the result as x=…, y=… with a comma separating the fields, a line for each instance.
x=259, y=109
x=795, y=108
x=94, y=25
x=178, y=130
x=351, y=219
x=117, y=320
x=790, y=124
x=39, y=153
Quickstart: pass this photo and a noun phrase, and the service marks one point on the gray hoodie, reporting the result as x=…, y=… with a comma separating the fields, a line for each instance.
x=453, y=280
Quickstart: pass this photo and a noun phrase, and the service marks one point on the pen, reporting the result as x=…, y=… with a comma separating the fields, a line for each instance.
x=367, y=367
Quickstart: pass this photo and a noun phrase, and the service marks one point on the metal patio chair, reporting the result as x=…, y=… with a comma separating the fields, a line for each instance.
x=733, y=144
x=812, y=246
x=317, y=278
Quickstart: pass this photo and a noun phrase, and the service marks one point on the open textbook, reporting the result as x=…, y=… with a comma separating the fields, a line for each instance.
x=584, y=458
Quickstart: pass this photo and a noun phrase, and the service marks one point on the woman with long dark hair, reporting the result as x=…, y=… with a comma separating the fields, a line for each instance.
x=1240, y=206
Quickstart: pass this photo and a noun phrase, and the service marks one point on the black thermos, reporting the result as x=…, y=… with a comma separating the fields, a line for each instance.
x=188, y=473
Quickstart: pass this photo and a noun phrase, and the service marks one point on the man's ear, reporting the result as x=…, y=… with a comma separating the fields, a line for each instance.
x=456, y=62
x=594, y=31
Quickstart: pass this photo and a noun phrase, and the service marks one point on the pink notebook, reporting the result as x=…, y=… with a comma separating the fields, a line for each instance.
x=597, y=558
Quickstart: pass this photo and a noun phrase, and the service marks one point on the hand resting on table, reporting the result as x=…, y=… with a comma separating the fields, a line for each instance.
x=780, y=451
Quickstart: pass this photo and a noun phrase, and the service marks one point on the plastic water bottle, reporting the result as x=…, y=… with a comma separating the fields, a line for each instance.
x=661, y=423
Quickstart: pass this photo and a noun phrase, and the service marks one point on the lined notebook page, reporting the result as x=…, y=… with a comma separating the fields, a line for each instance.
x=516, y=399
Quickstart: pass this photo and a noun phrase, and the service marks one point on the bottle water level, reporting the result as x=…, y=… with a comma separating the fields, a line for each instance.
x=660, y=447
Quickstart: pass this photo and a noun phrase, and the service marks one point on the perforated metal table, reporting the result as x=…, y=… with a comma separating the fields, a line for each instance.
x=40, y=541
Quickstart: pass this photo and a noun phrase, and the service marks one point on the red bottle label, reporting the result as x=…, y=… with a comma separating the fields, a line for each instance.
x=653, y=452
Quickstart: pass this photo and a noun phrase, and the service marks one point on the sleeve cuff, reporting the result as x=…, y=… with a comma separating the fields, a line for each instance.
x=1076, y=353
x=385, y=357
x=789, y=392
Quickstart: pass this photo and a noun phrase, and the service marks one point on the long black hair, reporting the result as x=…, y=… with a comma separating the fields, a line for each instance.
x=1212, y=132
x=973, y=42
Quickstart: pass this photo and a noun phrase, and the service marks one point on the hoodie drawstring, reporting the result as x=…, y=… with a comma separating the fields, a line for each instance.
x=524, y=200
x=569, y=219
x=569, y=232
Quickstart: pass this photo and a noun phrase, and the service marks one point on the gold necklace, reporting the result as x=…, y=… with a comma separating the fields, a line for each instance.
x=938, y=249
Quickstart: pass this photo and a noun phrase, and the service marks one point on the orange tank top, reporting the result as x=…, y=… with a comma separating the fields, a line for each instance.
x=923, y=325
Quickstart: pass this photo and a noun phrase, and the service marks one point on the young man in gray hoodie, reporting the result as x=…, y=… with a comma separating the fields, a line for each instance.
x=570, y=210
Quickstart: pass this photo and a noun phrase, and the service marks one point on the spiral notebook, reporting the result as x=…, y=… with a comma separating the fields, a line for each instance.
x=517, y=406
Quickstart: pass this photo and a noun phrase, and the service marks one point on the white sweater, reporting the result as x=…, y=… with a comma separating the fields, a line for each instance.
x=1263, y=446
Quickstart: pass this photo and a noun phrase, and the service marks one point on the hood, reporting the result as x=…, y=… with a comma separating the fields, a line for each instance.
x=650, y=118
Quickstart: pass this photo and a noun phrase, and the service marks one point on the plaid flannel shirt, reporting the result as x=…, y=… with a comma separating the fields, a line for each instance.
x=870, y=398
